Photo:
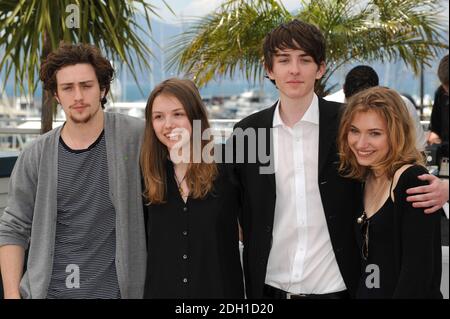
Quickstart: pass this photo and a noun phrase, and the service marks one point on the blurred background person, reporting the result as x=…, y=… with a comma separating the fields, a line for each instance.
x=439, y=113
x=362, y=77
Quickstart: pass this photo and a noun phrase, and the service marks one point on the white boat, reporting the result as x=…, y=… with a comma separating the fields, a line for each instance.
x=248, y=102
x=135, y=109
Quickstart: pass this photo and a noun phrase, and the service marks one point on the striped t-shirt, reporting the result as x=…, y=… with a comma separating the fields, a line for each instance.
x=85, y=243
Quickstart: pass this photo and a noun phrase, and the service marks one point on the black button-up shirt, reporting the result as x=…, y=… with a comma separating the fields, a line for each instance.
x=193, y=249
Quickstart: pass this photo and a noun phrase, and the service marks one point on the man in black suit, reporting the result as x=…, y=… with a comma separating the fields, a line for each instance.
x=298, y=212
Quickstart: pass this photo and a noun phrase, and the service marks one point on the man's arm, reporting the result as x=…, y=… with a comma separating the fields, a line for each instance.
x=432, y=196
x=11, y=265
x=16, y=221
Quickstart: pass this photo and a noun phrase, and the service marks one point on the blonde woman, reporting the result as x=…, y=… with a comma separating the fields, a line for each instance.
x=192, y=206
x=400, y=245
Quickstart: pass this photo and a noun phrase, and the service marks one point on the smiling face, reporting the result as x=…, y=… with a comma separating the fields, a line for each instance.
x=78, y=92
x=170, y=121
x=295, y=73
x=368, y=138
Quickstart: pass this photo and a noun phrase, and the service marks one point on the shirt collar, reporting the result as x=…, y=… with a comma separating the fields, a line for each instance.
x=311, y=115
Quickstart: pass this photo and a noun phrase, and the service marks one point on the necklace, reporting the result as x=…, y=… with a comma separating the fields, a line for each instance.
x=373, y=199
x=180, y=189
x=361, y=219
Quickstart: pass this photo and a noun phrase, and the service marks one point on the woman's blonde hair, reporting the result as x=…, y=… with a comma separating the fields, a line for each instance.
x=154, y=155
x=400, y=132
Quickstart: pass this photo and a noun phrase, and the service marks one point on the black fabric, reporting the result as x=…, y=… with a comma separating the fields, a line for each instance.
x=193, y=247
x=405, y=245
x=340, y=199
x=439, y=116
x=444, y=229
x=381, y=253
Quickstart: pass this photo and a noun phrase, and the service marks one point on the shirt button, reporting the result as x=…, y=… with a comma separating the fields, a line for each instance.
x=184, y=209
x=185, y=280
x=185, y=233
x=185, y=256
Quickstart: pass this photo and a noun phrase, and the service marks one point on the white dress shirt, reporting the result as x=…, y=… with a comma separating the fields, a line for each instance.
x=301, y=258
x=421, y=140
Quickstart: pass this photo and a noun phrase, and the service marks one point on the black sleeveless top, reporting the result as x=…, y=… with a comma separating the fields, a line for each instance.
x=404, y=257
x=380, y=254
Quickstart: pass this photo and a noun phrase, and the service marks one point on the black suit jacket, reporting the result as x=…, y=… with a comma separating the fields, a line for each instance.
x=340, y=199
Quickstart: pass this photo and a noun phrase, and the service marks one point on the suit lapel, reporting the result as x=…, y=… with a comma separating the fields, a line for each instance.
x=328, y=126
x=268, y=125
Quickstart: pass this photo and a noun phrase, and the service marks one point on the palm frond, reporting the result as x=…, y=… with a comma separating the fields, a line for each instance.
x=229, y=40
x=111, y=25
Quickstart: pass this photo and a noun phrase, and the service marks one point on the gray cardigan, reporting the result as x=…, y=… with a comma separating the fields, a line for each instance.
x=30, y=216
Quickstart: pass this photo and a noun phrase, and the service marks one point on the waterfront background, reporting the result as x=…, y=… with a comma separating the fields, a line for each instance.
x=226, y=98
x=394, y=74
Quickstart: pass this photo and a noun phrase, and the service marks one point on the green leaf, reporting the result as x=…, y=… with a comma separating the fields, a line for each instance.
x=230, y=38
x=110, y=25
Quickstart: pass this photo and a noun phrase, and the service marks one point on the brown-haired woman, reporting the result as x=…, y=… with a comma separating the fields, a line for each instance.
x=192, y=205
x=400, y=245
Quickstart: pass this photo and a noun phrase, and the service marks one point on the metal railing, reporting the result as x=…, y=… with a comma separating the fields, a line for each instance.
x=15, y=138
x=15, y=133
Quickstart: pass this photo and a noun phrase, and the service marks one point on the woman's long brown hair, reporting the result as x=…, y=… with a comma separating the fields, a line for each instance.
x=199, y=176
